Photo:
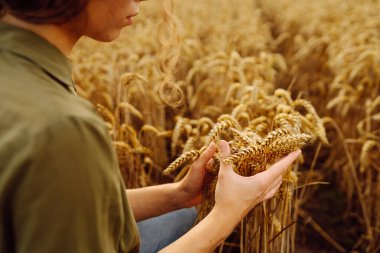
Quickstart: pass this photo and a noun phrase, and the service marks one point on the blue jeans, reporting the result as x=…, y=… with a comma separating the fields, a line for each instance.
x=156, y=233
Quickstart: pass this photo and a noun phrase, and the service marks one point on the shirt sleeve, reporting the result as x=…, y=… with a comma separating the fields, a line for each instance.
x=71, y=197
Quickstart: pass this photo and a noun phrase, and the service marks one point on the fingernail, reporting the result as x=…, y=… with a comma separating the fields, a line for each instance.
x=297, y=152
x=211, y=145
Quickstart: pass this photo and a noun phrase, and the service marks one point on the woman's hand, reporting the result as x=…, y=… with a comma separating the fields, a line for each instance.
x=234, y=197
x=238, y=194
x=189, y=189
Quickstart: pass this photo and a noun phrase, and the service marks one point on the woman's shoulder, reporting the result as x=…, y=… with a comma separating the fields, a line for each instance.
x=28, y=110
x=34, y=104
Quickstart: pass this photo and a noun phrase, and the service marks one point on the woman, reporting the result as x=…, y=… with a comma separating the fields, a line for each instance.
x=60, y=188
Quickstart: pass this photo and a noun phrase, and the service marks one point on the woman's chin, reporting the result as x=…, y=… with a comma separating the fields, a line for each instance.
x=107, y=37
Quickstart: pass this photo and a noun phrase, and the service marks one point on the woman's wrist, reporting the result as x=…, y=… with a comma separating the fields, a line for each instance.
x=229, y=213
x=207, y=234
x=226, y=219
x=180, y=198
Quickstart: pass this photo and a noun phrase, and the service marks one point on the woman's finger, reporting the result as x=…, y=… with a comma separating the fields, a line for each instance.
x=273, y=191
x=224, y=153
x=210, y=164
x=224, y=150
x=205, y=157
x=281, y=166
x=275, y=183
x=272, y=185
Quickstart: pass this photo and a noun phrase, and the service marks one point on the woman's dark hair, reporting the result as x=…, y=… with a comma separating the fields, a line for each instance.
x=42, y=11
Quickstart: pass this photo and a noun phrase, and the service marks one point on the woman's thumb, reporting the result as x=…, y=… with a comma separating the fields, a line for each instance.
x=224, y=152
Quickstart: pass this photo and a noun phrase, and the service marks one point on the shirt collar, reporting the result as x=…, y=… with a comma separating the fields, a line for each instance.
x=38, y=50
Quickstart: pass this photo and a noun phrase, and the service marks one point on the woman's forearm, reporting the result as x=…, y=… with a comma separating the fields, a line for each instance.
x=207, y=234
x=152, y=201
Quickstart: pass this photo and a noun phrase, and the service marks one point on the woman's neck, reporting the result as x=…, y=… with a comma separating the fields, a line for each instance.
x=58, y=35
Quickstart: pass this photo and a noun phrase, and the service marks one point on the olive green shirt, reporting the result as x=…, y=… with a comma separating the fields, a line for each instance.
x=60, y=186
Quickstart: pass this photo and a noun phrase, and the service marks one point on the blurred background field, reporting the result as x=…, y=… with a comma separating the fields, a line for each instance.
x=272, y=76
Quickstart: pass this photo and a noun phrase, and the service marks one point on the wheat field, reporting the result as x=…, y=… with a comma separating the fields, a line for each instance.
x=268, y=79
